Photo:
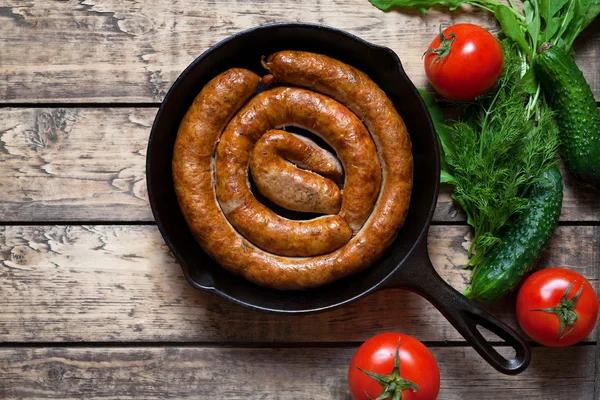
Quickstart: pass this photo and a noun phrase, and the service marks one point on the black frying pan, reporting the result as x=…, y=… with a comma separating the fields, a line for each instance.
x=406, y=263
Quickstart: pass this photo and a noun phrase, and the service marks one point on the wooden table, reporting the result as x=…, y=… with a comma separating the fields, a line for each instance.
x=93, y=305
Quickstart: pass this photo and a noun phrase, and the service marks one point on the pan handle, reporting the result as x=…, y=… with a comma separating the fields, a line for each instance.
x=417, y=274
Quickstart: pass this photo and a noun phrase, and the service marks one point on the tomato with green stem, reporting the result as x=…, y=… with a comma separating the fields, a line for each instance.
x=393, y=366
x=463, y=62
x=557, y=307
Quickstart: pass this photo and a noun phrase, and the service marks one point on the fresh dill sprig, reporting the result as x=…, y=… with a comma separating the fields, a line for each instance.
x=494, y=153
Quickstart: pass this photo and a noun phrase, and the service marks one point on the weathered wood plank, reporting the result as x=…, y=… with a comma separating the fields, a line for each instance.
x=110, y=50
x=300, y=373
x=74, y=164
x=120, y=283
x=82, y=164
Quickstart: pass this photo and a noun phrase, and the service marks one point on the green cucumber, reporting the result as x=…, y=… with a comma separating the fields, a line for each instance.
x=576, y=114
x=523, y=243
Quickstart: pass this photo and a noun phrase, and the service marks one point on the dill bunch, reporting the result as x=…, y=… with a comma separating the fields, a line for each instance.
x=494, y=153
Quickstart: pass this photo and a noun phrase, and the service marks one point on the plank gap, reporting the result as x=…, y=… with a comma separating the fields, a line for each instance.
x=247, y=345
x=152, y=223
x=81, y=105
x=79, y=223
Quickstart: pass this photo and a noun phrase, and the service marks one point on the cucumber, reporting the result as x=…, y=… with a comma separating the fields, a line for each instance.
x=522, y=244
x=577, y=116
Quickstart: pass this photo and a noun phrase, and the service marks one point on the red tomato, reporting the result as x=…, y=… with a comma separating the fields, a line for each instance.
x=466, y=65
x=376, y=356
x=554, y=292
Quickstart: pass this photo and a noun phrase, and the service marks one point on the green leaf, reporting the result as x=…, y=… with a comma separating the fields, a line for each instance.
x=511, y=27
x=528, y=10
x=532, y=21
x=566, y=36
x=554, y=6
x=444, y=132
x=445, y=177
x=529, y=82
x=437, y=115
x=570, y=25
x=591, y=14
x=470, y=220
x=550, y=30
x=548, y=10
x=421, y=5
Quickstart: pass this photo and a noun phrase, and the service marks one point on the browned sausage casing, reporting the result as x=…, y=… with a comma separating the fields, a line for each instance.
x=193, y=167
x=290, y=187
x=193, y=154
x=339, y=127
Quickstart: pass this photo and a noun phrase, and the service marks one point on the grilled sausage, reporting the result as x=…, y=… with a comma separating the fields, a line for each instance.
x=287, y=185
x=193, y=155
x=200, y=130
x=324, y=116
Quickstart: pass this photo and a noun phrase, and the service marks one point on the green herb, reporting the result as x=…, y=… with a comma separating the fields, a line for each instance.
x=494, y=153
x=421, y=5
x=506, y=138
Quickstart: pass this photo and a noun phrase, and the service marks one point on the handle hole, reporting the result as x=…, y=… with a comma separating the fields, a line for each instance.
x=499, y=344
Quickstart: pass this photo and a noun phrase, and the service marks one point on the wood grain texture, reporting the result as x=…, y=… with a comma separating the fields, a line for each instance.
x=300, y=373
x=86, y=164
x=112, y=50
x=74, y=164
x=120, y=283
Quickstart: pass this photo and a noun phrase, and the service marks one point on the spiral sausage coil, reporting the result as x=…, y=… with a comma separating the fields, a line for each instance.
x=227, y=134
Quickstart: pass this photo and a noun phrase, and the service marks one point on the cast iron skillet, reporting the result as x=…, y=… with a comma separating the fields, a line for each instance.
x=406, y=264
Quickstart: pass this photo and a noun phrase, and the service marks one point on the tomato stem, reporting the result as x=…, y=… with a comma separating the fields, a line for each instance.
x=392, y=384
x=444, y=49
x=565, y=311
